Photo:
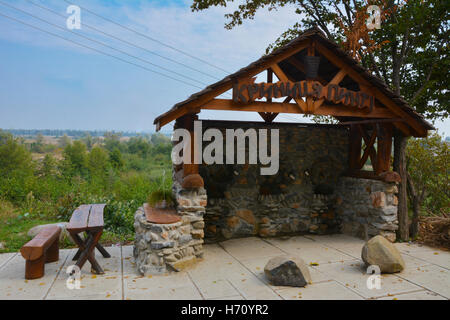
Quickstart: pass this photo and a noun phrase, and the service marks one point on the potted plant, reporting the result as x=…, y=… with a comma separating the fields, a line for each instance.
x=160, y=207
x=161, y=199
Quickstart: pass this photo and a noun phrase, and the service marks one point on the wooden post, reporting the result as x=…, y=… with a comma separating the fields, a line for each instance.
x=354, y=152
x=187, y=122
x=400, y=167
x=384, y=148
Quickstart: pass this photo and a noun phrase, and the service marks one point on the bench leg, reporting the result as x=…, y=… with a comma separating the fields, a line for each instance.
x=34, y=269
x=52, y=253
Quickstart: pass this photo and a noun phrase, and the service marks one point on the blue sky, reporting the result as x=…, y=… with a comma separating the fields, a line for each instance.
x=46, y=82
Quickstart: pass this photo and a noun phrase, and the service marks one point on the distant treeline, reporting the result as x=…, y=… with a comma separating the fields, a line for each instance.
x=74, y=133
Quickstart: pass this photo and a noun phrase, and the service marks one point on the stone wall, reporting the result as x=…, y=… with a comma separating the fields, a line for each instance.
x=171, y=247
x=367, y=207
x=298, y=199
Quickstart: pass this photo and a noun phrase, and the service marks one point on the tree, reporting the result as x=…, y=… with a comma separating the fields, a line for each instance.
x=112, y=141
x=139, y=145
x=75, y=155
x=410, y=52
x=116, y=159
x=98, y=161
x=158, y=138
x=14, y=157
x=88, y=140
x=16, y=169
x=64, y=141
x=49, y=167
x=428, y=162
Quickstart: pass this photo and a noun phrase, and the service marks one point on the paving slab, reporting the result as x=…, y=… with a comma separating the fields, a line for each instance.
x=239, y=248
x=256, y=266
x=431, y=277
x=234, y=270
x=411, y=247
x=330, y=290
x=352, y=274
x=14, y=286
x=93, y=286
x=5, y=257
x=230, y=298
x=309, y=250
x=112, y=265
x=230, y=277
x=173, y=286
x=418, y=295
x=437, y=257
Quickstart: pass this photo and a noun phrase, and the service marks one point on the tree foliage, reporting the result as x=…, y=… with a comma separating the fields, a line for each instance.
x=428, y=162
x=409, y=52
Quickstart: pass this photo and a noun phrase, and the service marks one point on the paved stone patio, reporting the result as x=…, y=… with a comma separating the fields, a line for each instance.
x=234, y=269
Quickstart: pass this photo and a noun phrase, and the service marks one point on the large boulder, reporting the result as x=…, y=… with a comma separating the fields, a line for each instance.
x=382, y=253
x=287, y=271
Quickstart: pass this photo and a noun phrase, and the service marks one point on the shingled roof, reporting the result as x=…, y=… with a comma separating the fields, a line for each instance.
x=317, y=35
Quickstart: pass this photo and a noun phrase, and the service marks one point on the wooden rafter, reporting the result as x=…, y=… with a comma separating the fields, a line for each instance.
x=196, y=104
x=283, y=77
x=286, y=107
x=269, y=116
x=419, y=130
x=336, y=80
x=369, y=142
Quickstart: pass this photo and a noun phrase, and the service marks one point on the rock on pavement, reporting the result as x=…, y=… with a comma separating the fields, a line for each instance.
x=287, y=271
x=380, y=252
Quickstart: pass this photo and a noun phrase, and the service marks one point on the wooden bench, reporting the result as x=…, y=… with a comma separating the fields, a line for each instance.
x=43, y=248
x=88, y=218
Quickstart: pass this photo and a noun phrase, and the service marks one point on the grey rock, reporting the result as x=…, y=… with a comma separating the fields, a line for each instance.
x=380, y=252
x=185, y=238
x=162, y=245
x=287, y=271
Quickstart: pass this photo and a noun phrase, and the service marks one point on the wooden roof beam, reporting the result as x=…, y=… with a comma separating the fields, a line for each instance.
x=285, y=107
x=283, y=77
x=419, y=130
x=227, y=85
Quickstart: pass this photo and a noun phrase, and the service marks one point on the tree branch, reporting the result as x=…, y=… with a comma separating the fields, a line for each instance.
x=427, y=78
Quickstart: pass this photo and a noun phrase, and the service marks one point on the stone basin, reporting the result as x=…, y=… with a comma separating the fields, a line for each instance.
x=161, y=216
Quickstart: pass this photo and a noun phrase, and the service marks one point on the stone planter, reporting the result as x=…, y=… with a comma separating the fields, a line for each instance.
x=166, y=241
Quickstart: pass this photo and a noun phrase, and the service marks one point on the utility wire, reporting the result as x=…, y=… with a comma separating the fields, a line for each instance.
x=98, y=51
x=125, y=41
x=101, y=43
x=149, y=38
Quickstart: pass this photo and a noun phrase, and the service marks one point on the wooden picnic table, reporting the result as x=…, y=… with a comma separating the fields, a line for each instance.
x=88, y=218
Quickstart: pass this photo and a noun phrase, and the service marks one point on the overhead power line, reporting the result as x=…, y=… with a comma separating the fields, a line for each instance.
x=98, y=51
x=101, y=43
x=125, y=41
x=148, y=37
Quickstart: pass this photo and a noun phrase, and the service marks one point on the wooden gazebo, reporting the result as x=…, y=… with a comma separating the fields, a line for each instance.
x=340, y=87
x=316, y=77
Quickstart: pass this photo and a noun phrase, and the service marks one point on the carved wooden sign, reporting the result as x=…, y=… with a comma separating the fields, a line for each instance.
x=246, y=91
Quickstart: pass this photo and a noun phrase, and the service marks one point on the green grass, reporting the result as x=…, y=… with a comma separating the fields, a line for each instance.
x=13, y=233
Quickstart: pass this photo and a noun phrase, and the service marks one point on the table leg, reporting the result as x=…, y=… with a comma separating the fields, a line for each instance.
x=86, y=251
x=103, y=251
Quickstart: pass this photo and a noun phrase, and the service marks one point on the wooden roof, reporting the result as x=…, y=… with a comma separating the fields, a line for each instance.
x=333, y=59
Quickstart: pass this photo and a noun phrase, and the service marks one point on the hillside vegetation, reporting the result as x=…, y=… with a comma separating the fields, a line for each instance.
x=42, y=180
